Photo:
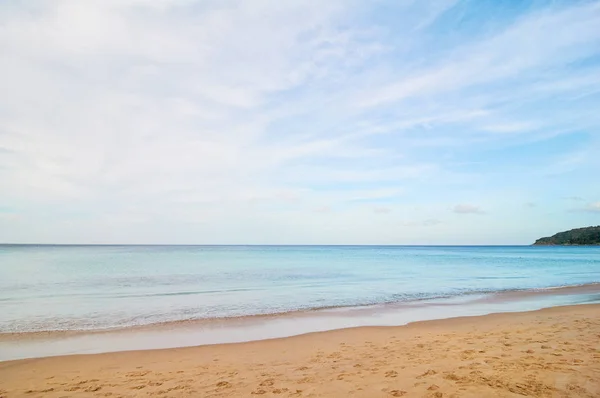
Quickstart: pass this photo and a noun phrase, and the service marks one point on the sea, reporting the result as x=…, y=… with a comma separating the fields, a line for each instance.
x=211, y=294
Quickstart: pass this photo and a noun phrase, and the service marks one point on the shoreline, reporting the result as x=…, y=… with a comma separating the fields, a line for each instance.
x=16, y=346
x=353, y=329
x=547, y=352
x=486, y=296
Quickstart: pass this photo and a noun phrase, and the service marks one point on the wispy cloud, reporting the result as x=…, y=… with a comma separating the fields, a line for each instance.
x=194, y=114
x=512, y=127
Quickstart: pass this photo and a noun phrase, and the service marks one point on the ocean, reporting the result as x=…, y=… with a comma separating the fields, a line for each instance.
x=77, y=288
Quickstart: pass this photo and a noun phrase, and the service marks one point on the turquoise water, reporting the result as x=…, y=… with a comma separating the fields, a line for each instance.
x=99, y=287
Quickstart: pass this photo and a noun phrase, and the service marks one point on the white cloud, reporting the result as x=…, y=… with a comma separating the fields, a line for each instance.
x=248, y=116
x=593, y=207
x=122, y=93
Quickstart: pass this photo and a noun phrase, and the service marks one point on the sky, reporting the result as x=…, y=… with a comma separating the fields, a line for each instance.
x=298, y=122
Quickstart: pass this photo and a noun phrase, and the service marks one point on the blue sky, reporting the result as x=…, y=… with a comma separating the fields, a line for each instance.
x=298, y=122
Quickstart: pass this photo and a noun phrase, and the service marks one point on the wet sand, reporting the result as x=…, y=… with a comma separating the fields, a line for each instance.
x=192, y=333
x=548, y=353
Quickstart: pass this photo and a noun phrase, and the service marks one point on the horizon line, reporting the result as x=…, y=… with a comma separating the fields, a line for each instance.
x=261, y=244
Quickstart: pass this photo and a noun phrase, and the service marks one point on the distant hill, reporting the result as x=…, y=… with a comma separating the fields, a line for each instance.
x=579, y=236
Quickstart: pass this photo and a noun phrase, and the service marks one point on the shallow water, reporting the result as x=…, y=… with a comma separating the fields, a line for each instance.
x=240, y=329
x=46, y=288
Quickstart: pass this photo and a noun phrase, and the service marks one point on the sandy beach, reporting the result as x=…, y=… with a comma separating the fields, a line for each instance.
x=548, y=353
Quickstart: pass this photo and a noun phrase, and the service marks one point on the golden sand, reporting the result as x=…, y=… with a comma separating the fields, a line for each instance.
x=548, y=353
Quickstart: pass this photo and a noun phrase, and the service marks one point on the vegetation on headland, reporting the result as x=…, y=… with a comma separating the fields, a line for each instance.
x=578, y=236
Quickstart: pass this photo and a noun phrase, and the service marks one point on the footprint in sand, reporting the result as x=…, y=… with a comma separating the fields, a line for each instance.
x=391, y=373
x=45, y=390
x=452, y=377
x=430, y=372
x=137, y=374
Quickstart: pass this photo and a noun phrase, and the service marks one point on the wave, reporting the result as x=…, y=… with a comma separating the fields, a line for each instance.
x=185, y=316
